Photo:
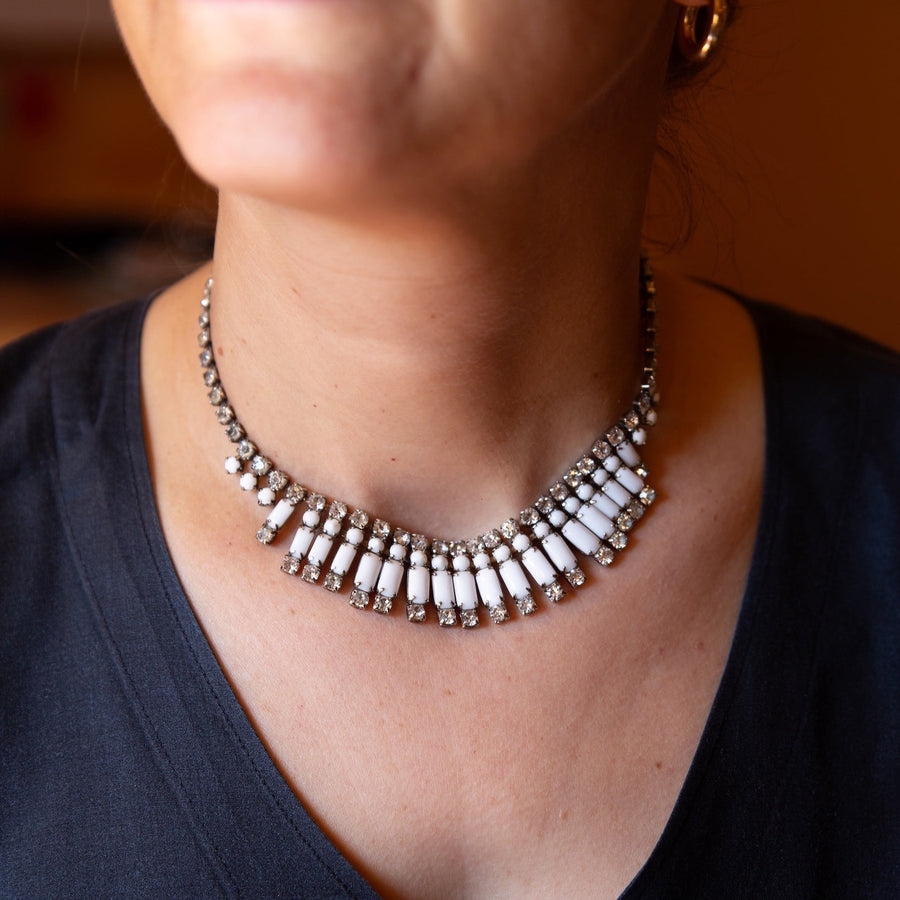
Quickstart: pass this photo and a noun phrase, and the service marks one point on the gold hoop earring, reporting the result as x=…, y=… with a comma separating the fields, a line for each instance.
x=699, y=29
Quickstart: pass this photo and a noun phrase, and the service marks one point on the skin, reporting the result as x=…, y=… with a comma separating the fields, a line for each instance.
x=417, y=200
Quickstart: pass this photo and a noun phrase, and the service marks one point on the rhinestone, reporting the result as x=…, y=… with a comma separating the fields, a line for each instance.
x=559, y=492
x=246, y=449
x=203, y=318
x=337, y=510
x=203, y=337
x=266, y=534
x=295, y=492
x=493, y=539
x=311, y=573
x=447, y=617
x=333, y=582
x=358, y=598
x=601, y=449
x=206, y=357
x=457, y=548
x=277, y=480
x=618, y=540
x=382, y=604
x=615, y=436
x=529, y=517
x=499, y=613
x=526, y=605
x=575, y=577
x=316, y=502
x=210, y=376
x=216, y=395
x=645, y=403
x=572, y=478
x=624, y=521
x=415, y=612
x=401, y=537
x=265, y=497
x=640, y=470
x=260, y=465
x=647, y=495
x=545, y=505
x=381, y=529
x=224, y=414
x=469, y=618
x=475, y=546
x=605, y=555
x=359, y=519
x=236, y=432
x=440, y=548
x=554, y=591
x=419, y=542
x=290, y=565
x=635, y=509
x=632, y=419
x=586, y=465
x=509, y=529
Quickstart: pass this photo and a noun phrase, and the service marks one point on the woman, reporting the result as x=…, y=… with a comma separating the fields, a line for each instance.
x=426, y=301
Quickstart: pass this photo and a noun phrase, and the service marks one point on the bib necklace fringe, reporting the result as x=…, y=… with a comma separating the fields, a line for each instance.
x=589, y=512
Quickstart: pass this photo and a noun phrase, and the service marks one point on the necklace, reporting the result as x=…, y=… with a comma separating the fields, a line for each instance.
x=589, y=512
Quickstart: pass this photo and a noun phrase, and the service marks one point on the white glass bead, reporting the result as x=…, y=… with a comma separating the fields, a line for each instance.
x=605, y=505
x=616, y=493
x=343, y=559
x=600, y=477
x=367, y=572
x=332, y=527
x=442, y=587
x=489, y=588
x=354, y=536
x=612, y=463
x=650, y=417
x=461, y=563
x=302, y=540
x=233, y=465
x=248, y=481
x=280, y=514
x=521, y=542
x=319, y=551
x=418, y=558
x=481, y=560
x=628, y=454
x=502, y=553
x=585, y=492
x=560, y=554
x=376, y=545
x=541, y=530
x=514, y=578
x=538, y=566
x=311, y=518
x=631, y=481
x=390, y=578
x=418, y=584
x=591, y=517
x=580, y=537
x=439, y=564
x=572, y=504
x=639, y=436
x=266, y=497
x=464, y=590
x=558, y=518
x=397, y=552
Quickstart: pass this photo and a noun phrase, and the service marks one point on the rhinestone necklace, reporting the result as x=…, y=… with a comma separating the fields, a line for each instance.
x=589, y=512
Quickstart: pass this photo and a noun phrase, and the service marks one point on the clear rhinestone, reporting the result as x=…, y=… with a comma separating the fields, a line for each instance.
x=382, y=604
x=381, y=529
x=642, y=472
x=554, y=591
x=206, y=357
x=359, y=519
x=210, y=376
x=529, y=517
x=402, y=537
x=645, y=402
x=203, y=318
x=224, y=414
x=559, y=492
x=358, y=598
x=601, y=449
x=469, y=618
x=236, y=432
x=647, y=495
x=605, y=555
x=316, y=502
x=311, y=573
x=586, y=465
x=290, y=565
x=526, y=605
x=419, y=542
x=216, y=395
x=635, y=509
x=499, y=613
x=246, y=449
x=266, y=534
x=260, y=465
x=575, y=577
x=509, y=529
x=624, y=521
x=295, y=492
x=337, y=510
x=457, y=548
x=493, y=539
x=545, y=505
x=615, y=436
x=440, y=548
x=618, y=540
x=632, y=419
x=277, y=480
x=333, y=582
x=415, y=612
x=475, y=546
x=447, y=617
x=572, y=478
x=203, y=337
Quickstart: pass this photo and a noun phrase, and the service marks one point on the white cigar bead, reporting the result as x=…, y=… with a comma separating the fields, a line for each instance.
x=573, y=504
x=558, y=518
x=397, y=552
x=538, y=566
x=605, y=505
x=367, y=572
x=390, y=578
x=233, y=465
x=280, y=514
x=332, y=527
x=502, y=553
x=628, y=454
x=513, y=576
x=418, y=584
x=631, y=481
x=481, y=560
x=442, y=588
x=376, y=545
x=319, y=551
x=418, y=558
x=585, y=492
x=489, y=587
x=343, y=559
x=354, y=536
x=616, y=493
x=248, y=481
x=560, y=554
x=461, y=563
x=521, y=542
x=612, y=463
x=600, y=477
x=541, y=530
x=639, y=436
x=591, y=517
x=580, y=537
x=464, y=590
x=302, y=539
x=311, y=518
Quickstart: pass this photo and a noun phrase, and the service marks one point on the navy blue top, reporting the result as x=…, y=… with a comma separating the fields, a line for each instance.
x=128, y=768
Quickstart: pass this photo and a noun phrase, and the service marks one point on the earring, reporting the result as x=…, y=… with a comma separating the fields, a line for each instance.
x=699, y=28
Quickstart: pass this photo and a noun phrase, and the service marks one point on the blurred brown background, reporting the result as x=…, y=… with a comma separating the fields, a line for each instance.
x=793, y=142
